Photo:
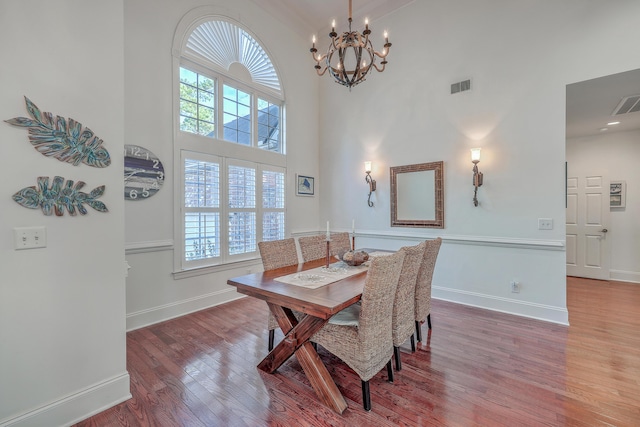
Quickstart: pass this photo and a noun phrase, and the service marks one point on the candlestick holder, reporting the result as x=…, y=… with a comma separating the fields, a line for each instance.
x=328, y=242
x=353, y=242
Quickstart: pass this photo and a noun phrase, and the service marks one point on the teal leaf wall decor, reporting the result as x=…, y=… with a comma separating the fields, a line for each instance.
x=60, y=196
x=65, y=140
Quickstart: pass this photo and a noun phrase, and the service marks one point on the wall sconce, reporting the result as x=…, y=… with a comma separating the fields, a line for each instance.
x=477, y=175
x=370, y=181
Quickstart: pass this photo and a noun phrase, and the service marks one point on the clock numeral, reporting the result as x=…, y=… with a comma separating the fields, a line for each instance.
x=133, y=194
x=155, y=185
x=145, y=192
x=160, y=175
x=156, y=162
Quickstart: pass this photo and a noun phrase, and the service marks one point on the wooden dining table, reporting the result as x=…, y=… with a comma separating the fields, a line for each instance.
x=318, y=305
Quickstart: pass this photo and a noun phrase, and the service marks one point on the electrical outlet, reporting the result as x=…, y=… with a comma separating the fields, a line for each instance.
x=29, y=237
x=545, y=224
x=515, y=286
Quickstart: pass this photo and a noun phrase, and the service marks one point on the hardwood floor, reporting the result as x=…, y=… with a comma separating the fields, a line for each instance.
x=477, y=368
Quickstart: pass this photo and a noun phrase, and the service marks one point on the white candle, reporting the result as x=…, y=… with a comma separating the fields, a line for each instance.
x=328, y=234
x=353, y=226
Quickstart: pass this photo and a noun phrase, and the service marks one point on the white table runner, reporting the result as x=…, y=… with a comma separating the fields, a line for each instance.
x=321, y=276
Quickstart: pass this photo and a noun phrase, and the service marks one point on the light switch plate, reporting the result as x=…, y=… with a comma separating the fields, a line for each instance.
x=29, y=237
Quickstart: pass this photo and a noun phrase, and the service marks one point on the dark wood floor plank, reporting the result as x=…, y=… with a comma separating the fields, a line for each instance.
x=474, y=368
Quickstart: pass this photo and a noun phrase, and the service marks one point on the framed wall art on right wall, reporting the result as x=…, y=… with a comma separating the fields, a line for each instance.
x=618, y=194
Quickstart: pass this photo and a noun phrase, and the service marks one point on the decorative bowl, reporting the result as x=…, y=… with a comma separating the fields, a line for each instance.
x=354, y=258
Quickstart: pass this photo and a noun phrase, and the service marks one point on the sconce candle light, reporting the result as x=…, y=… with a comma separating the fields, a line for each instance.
x=370, y=181
x=477, y=175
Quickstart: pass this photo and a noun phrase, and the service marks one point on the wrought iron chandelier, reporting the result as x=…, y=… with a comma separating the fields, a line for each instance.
x=350, y=56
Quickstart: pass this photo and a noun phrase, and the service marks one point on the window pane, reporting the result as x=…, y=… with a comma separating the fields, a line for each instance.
x=188, y=76
x=230, y=134
x=201, y=231
x=188, y=124
x=197, y=101
x=242, y=187
x=206, y=114
x=230, y=92
x=244, y=138
x=206, y=98
x=188, y=109
x=207, y=129
x=244, y=111
x=244, y=98
x=273, y=226
x=237, y=116
x=272, y=190
x=230, y=110
x=242, y=232
x=201, y=184
x=189, y=93
x=206, y=83
x=269, y=126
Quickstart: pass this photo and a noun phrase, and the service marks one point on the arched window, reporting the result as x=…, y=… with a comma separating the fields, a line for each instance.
x=230, y=144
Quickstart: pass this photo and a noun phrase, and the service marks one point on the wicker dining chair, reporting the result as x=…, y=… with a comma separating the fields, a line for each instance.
x=315, y=247
x=402, y=319
x=423, y=285
x=276, y=254
x=360, y=335
x=340, y=243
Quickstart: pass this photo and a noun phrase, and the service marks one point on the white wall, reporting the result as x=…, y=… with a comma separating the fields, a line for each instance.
x=520, y=57
x=153, y=292
x=62, y=308
x=615, y=155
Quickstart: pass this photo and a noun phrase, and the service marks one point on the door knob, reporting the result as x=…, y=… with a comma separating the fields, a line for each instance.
x=604, y=230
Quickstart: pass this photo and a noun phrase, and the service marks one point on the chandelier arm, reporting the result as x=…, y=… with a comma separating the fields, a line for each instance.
x=381, y=55
x=378, y=69
x=324, y=70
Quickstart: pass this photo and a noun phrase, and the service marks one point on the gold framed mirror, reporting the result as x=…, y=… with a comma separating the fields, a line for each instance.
x=417, y=195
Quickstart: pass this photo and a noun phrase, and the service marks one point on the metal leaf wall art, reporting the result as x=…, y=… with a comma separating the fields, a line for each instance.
x=67, y=141
x=59, y=197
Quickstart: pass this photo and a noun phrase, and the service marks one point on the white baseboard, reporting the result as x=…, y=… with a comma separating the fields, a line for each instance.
x=624, y=276
x=150, y=316
x=504, y=305
x=76, y=407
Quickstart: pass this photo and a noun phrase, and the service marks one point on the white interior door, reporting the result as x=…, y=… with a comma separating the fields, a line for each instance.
x=588, y=247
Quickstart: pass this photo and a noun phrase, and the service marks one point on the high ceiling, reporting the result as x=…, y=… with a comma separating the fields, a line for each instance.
x=591, y=103
x=309, y=17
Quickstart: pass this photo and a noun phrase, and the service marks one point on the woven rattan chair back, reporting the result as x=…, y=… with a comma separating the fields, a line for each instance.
x=340, y=243
x=313, y=247
x=403, y=317
x=368, y=345
x=423, y=285
x=278, y=253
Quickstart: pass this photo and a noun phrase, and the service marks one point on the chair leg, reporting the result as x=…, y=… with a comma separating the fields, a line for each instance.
x=390, y=371
x=272, y=334
x=396, y=354
x=429, y=320
x=418, y=331
x=366, y=396
x=413, y=343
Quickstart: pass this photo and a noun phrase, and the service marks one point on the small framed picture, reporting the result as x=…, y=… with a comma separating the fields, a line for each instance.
x=617, y=194
x=304, y=185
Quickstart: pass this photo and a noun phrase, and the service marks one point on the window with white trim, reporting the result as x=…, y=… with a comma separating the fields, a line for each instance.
x=231, y=148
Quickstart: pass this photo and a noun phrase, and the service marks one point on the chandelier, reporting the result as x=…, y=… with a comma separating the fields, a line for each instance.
x=350, y=56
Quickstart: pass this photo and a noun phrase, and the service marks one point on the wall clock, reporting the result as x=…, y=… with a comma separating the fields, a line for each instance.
x=143, y=173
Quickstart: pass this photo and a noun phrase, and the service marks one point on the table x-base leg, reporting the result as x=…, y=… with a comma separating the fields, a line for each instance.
x=296, y=341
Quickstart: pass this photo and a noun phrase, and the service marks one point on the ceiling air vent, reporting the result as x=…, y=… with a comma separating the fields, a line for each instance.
x=628, y=104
